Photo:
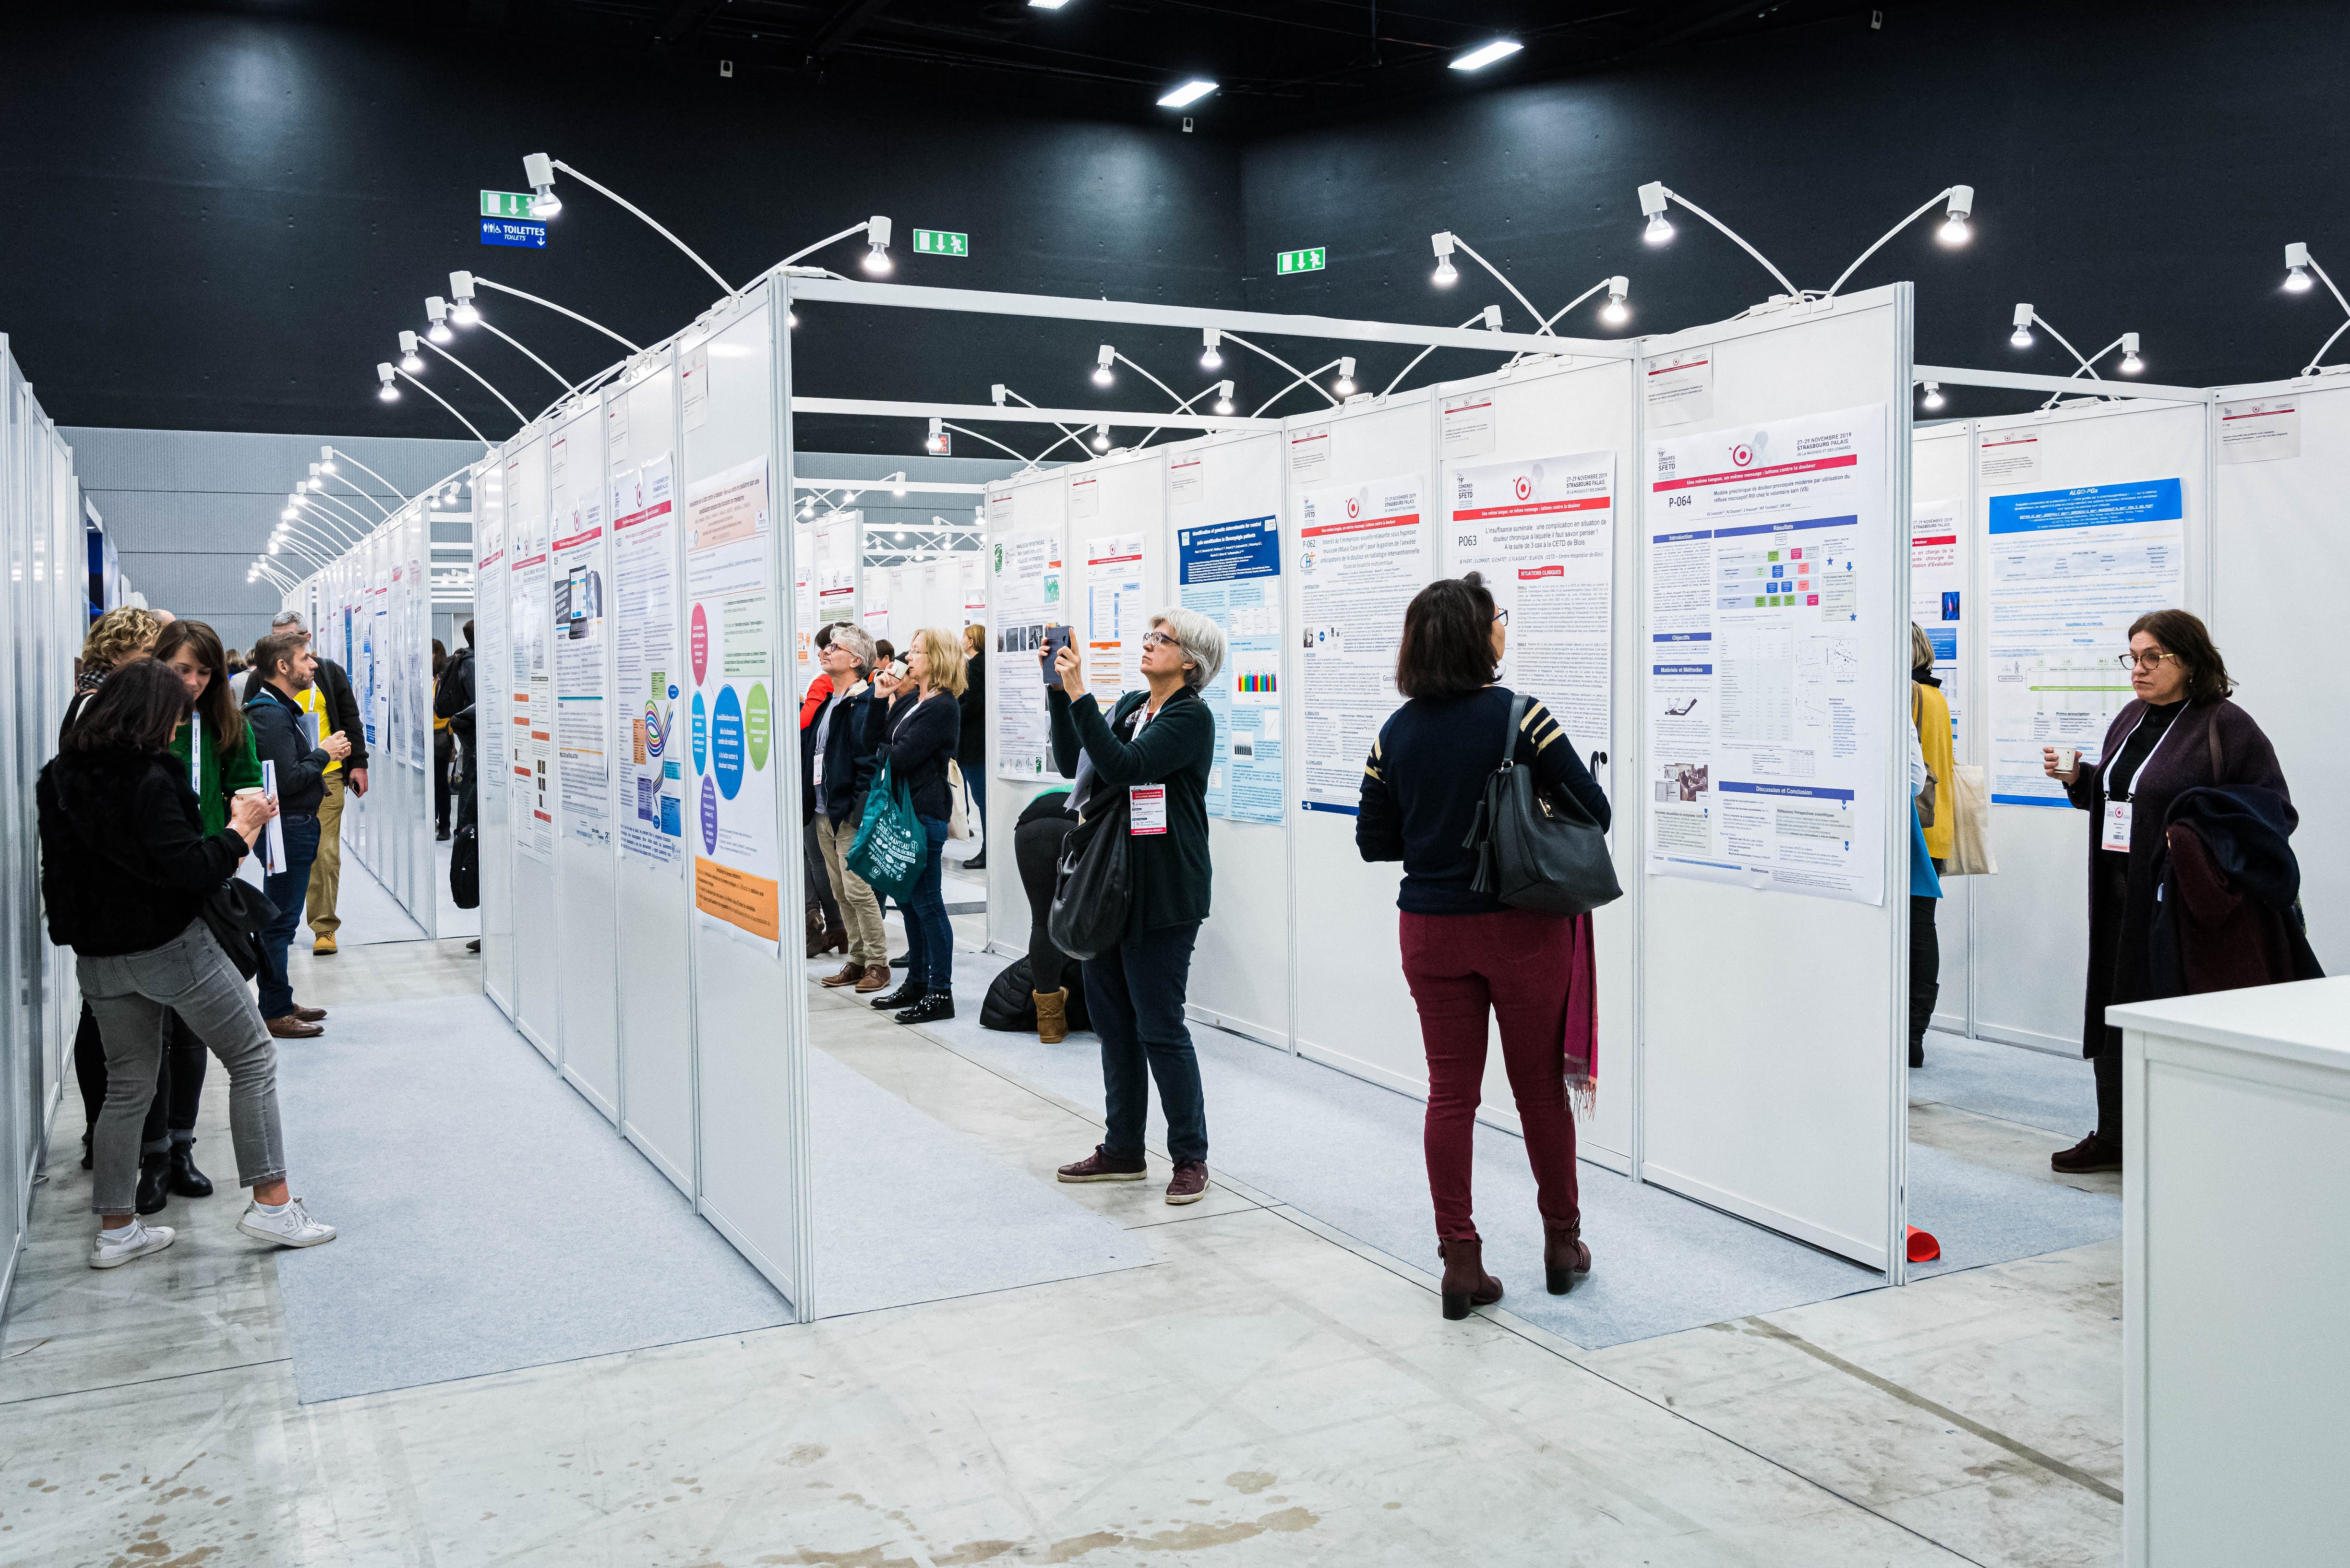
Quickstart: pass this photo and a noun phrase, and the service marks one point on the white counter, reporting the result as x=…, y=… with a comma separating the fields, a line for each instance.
x=2236, y=1277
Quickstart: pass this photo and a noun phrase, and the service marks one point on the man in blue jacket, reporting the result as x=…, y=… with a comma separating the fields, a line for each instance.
x=283, y=669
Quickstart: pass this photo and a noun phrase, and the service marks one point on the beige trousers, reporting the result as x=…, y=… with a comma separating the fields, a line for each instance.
x=860, y=911
x=327, y=870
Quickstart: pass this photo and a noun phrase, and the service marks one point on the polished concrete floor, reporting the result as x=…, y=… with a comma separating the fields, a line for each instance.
x=1264, y=1394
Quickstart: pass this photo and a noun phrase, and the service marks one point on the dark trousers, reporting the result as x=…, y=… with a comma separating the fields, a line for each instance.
x=1924, y=969
x=930, y=937
x=444, y=754
x=286, y=890
x=1037, y=850
x=179, y=1085
x=1134, y=995
x=2107, y=1065
x=819, y=880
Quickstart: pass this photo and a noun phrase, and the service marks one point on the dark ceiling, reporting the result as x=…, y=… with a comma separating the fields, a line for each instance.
x=1280, y=63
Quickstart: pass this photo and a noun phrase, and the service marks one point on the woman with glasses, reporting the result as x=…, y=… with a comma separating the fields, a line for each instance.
x=2178, y=733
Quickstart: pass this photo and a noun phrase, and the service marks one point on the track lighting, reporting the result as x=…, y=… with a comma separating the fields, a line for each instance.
x=538, y=169
x=1933, y=397
x=1345, y=386
x=1102, y=377
x=1101, y=438
x=1652, y=203
x=410, y=361
x=1616, y=312
x=877, y=241
x=2021, y=336
x=1224, y=397
x=1210, y=357
x=436, y=310
x=1446, y=274
x=387, y=392
x=1954, y=231
x=2296, y=264
x=2131, y=364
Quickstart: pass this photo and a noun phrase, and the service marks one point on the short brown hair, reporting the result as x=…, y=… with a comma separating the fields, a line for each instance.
x=278, y=648
x=1448, y=639
x=2187, y=639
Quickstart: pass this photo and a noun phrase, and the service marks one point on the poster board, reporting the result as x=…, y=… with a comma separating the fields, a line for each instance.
x=1025, y=539
x=1943, y=596
x=533, y=798
x=582, y=634
x=493, y=730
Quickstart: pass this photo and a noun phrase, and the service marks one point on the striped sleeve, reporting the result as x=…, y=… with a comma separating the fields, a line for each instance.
x=1539, y=728
x=1371, y=768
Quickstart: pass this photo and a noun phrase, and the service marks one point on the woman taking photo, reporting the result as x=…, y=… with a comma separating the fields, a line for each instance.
x=1157, y=747
x=1465, y=953
x=919, y=736
x=126, y=869
x=2178, y=732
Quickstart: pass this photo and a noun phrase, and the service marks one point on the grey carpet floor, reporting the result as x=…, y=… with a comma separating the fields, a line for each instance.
x=1347, y=1153
x=2054, y=1094
x=370, y=913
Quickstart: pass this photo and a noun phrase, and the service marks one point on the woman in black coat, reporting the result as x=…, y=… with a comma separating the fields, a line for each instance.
x=2179, y=732
x=1156, y=750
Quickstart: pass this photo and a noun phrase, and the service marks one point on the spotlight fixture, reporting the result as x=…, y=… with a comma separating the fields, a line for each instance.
x=326, y=460
x=1447, y=274
x=1210, y=357
x=898, y=484
x=461, y=290
x=2021, y=336
x=1224, y=397
x=1477, y=59
x=410, y=361
x=877, y=242
x=995, y=394
x=436, y=310
x=287, y=514
x=1616, y=312
x=937, y=440
x=1345, y=385
x=387, y=392
x=2296, y=265
x=1652, y=203
x=1933, y=397
x=1046, y=5
x=1102, y=377
x=1190, y=93
x=538, y=168
x=1101, y=438
x=2131, y=364
x=1954, y=231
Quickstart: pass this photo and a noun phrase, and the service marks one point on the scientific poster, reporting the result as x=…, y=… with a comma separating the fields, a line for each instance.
x=804, y=621
x=1231, y=573
x=1363, y=551
x=971, y=579
x=880, y=589
x=644, y=620
x=2068, y=571
x=1115, y=617
x=1767, y=734
x=583, y=707
x=837, y=538
x=1542, y=533
x=532, y=685
x=1027, y=568
x=732, y=646
x=493, y=763
x=1937, y=581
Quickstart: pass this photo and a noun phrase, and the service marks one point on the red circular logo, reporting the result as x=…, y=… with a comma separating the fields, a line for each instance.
x=1741, y=454
x=1354, y=507
x=1523, y=486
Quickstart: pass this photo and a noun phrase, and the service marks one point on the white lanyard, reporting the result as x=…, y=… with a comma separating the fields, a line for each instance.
x=2120, y=811
x=2139, y=771
x=196, y=752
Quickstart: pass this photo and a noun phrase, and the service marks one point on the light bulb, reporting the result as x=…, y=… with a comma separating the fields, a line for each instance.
x=439, y=332
x=1223, y=405
x=898, y=490
x=1614, y=313
x=1659, y=229
x=877, y=261
x=287, y=514
x=1101, y=439
x=2297, y=282
x=1933, y=397
x=2131, y=363
x=1211, y=360
x=387, y=392
x=1345, y=385
x=791, y=319
x=327, y=462
x=1446, y=274
x=2020, y=337
x=1954, y=231
x=544, y=203
x=463, y=313
x=1102, y=377
x=412, y=364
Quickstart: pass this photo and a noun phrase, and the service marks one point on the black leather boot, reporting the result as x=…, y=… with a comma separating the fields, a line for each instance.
x=186, y=1179
x=934, y=1006
x=905, y=995
x=154, y=1176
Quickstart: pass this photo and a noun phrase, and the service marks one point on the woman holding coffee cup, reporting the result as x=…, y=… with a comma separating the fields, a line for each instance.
x=2179, y=732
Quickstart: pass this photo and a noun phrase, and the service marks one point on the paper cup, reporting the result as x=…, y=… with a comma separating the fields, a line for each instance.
x=2067, y=758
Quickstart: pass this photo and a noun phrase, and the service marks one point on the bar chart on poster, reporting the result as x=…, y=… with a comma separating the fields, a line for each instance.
x=1231, y=573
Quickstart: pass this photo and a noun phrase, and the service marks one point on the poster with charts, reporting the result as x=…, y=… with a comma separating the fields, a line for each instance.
x=731, y=646
x=650, y=771
x=1025, y=566
x=1770, y=561
x=1937, y=581
x=583, y=706
x=532, y=684
x=1115, y=617
x=1542, y=533
x=1363, y=550
x=2068, y=570
x=1231, y=573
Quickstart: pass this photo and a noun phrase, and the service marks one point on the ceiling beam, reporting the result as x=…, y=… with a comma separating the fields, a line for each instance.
x=845, y=25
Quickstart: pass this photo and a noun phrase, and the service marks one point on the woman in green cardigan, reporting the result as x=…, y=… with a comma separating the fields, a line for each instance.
x=215, y=745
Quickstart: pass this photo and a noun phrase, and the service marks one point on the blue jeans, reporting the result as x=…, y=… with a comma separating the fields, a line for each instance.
x=1134, y=993
x=285, y=890
x=930, y=939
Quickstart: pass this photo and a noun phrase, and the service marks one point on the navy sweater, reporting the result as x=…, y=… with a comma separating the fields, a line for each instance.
x=1426, y=775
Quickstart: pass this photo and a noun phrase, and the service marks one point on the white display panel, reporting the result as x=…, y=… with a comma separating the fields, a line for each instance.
x=1786, y=1112
x=1943, y=561
x=587, y=942
x=2031, y=921
x=534, y=798
x=493, y=763
x=1029, y=586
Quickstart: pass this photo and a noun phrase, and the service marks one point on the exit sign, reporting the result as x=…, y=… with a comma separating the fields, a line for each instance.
x=940, y=242
x=1312, y=260
x=505, y=203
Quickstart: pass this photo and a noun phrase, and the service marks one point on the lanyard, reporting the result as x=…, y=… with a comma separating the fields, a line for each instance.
x=2139, y=771
x=196, y=752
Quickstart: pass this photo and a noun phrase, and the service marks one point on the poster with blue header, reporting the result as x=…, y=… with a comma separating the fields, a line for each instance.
x=1231, y=573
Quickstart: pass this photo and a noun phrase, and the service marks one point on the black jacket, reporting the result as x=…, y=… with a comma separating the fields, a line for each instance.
x=972, y=750
x=277, y=737
x=1172, y=875
x=125, y=862
x=343, y=712
x=917, y=737
x=453, y=693
x=851, y=756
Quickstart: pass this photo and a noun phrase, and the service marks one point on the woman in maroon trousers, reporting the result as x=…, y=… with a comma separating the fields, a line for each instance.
x=1466, y=953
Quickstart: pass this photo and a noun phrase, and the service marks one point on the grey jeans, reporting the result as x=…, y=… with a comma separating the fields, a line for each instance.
x=133, y=996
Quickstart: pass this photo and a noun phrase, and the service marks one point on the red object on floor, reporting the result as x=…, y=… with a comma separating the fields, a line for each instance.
x=1923, y=1248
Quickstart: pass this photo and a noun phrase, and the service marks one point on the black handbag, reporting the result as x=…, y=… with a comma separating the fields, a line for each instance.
x=1092, y=890
x=1538, y=848
x=465, y=867
x=235, y=913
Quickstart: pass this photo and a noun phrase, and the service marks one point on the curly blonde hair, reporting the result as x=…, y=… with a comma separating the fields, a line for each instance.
x=118, y=635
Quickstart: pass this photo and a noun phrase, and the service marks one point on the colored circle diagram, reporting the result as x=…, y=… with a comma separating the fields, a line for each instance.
x=726, y=742
x=700, y=735
x=758, y=725
x=697, y=642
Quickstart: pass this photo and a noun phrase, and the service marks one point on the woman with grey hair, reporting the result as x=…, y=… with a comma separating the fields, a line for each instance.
x=1158, y=745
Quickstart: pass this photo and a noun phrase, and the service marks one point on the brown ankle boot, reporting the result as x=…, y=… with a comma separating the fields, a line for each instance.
x=1052, y=1015
x=1466, y=1283
x=1565, y=1258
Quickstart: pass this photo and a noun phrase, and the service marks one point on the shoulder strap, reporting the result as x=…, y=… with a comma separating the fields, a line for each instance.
x=1519, y=703
x=2219, y=768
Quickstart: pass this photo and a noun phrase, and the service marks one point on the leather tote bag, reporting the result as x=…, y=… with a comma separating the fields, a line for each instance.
x=1092, y=890
x=1537, y=848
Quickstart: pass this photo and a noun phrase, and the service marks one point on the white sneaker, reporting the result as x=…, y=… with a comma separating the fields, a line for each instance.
x=117, y=1247
x=290, y=1227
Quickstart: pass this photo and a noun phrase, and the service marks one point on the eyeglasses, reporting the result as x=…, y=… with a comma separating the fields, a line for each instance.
x=1501, y=618
x=2148, y=660
x=1157, y=640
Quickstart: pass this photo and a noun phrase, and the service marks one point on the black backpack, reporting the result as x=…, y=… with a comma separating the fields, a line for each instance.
x=465, y=867
x=1011, y=1001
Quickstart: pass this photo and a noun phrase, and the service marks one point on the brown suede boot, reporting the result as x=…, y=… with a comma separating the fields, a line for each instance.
x=1052, y=1015
x=1466, y=1283
x=1565, y=1258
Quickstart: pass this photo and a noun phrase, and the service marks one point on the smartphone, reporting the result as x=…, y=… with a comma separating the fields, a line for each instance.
x=1057, y=638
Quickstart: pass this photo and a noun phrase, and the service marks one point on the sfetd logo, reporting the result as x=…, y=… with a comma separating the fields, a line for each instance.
x=1741, y=455
x=1523, y=486
x=1353, y=506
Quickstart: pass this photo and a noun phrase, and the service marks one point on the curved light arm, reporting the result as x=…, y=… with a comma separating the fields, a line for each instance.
x=1171, y=395
x=1578, y=299
x=296, y=543
x=444, y=403
x=279, y=577
x=1941, y=195
x=731, y=290
x=2085, y=364
x=1301, y=376
x=560, y=310
x=343, y=534
x=1302, y=380
x=519, y=416
x=1736, y=238
x=1489, y=316
x=381, y=510
x=989, y=439
x=314, y=497
x=315, y=534
x=335, y=451
x=2319, y=358
x=1077, y=434
x=492, y=326
x=811, y=250
x=1542, y=324
x=1182, y=407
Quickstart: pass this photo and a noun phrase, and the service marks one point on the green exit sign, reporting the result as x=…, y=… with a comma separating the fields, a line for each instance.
x=1313, y=260
x=505, y=203
x=939, y=242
